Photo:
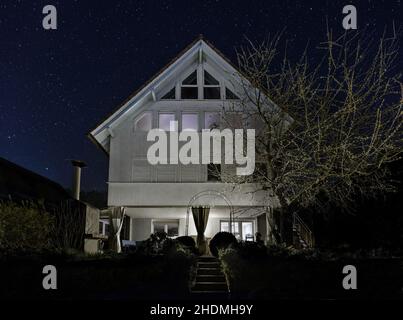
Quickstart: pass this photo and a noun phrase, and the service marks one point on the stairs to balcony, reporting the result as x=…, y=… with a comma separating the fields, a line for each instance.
x=302, y=235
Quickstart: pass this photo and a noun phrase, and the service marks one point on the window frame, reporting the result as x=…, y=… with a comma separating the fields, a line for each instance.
x=139, y=117
x=166, y=229
x=239, y=223
x=181, y=85
x=162, y=113
x=197, y=122
x=204, y=85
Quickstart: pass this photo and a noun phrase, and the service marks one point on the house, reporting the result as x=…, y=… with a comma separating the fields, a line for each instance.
x=192, y=90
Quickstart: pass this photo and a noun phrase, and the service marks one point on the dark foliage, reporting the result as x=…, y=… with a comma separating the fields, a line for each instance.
x=249, y=249
x=221, y=240
x=187, y=242
x=134, y=276
x=25, y=227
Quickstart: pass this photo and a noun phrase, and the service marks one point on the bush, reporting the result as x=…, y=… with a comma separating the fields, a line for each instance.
x=25, y=227
x=221, y=240
x=186, y=241
x=249, y=249
x=160, y=243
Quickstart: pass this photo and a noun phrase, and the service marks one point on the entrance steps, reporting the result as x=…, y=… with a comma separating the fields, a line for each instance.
x=210, y=280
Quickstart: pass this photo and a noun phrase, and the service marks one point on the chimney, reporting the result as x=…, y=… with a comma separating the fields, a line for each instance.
x=77, y=164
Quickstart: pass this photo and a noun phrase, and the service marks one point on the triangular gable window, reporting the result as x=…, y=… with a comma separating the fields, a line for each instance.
x=191, y=80
x=230, y=95
x=189, y=88
x=170, y=95
x=211, y=87
x=209, y=79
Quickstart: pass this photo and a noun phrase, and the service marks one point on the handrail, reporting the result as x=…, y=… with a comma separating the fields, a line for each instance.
x=304, y=231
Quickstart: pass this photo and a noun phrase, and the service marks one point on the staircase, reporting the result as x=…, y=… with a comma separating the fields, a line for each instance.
x=210, y=280
x=302, y=235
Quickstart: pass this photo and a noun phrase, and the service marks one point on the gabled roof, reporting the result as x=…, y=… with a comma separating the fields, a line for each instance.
x=102, y=130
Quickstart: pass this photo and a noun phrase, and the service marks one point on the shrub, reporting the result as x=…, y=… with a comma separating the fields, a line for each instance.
x=25, y=227
x=221, y=240
x=187, y=241
x=249, y=249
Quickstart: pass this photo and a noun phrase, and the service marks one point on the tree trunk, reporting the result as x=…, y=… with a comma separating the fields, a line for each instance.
x=285, y=223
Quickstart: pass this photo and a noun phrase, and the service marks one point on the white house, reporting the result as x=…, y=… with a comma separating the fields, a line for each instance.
x=192, y=89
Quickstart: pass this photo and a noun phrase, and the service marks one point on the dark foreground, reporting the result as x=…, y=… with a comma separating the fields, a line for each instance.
x=170, y=277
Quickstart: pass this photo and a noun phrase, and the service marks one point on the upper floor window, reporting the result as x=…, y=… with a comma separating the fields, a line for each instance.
x=143, y=122
x=208, y=83
x=229, y=95
x=164, y=121
x=170, y=95
x=189, y=89
x=211, y=88
x=211, y=120
x=190, y=121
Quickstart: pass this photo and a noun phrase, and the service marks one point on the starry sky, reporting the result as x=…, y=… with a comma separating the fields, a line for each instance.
x=56, y=85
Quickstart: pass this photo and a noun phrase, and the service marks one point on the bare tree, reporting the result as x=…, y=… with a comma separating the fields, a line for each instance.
x=328, y=124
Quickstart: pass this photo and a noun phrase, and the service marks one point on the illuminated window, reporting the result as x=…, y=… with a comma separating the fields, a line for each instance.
x=190, y=121
x=164, y=121
x=170, y=227
x=242, y=230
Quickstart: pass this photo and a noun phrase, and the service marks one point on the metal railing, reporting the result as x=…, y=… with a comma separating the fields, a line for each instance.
x=302, y=230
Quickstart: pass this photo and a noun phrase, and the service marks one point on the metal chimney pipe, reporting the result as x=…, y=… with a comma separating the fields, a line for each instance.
x=77, y=164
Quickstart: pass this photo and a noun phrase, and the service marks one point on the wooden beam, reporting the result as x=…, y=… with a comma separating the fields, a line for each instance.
x=111, y=133
x=200, y=55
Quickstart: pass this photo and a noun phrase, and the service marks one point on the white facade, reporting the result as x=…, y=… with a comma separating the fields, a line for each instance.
x=193, y=90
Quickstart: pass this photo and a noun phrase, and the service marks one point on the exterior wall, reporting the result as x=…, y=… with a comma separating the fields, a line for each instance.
x=141, y=229
x=179, y=194
x=128, y=147
x=142, y=219
x=91, y=220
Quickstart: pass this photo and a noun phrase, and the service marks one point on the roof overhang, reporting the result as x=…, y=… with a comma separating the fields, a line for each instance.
x=101, y=133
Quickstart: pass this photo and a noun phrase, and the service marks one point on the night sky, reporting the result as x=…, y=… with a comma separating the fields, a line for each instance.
x=56, y=85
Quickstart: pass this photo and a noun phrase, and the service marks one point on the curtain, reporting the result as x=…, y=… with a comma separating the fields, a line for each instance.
x=200, y=217
x=116, y=219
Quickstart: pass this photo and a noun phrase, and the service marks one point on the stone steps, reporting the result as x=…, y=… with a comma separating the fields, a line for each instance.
x=210, y=280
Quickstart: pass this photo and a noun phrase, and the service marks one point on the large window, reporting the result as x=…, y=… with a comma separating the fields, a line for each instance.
x=164, y=121
x=190, y=121
x=242, y=230
x=143, y=122
x=211, y=88
x=189, y=89
x=170, y=227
